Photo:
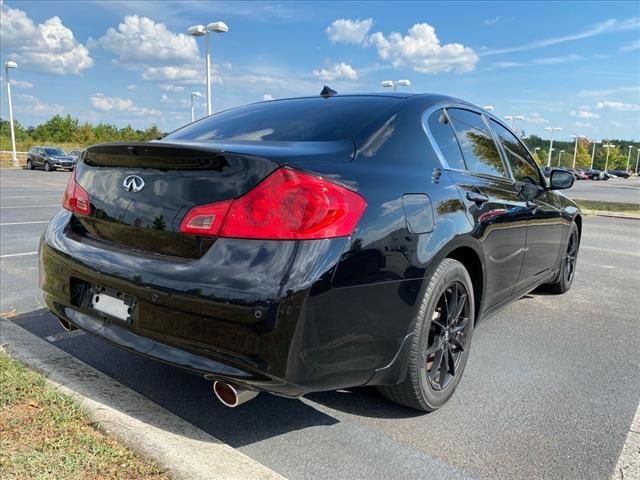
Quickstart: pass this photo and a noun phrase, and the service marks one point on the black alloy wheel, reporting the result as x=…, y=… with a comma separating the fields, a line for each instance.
x=447, y=336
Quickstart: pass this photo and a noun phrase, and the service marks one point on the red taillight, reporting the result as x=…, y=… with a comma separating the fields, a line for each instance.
x=287, y=205
x=76, y=199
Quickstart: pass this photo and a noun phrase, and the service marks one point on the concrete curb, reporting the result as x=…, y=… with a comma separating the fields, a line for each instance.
x=185, y=451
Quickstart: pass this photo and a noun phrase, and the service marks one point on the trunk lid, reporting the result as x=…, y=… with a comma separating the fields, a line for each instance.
x=165, y=180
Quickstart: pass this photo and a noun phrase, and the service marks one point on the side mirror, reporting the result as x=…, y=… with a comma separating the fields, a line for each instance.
x=561, y=179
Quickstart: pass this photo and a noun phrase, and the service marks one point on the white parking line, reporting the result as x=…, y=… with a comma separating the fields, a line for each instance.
x=29, y=196
x=9, y=255
x=22, y=223
x=628, y=466
x=34, y=206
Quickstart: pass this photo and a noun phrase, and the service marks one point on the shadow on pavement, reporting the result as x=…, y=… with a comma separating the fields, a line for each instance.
x=186, y=395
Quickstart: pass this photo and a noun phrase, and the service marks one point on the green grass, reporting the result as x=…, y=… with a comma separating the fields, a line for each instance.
x=614, y=207
x=45, y=435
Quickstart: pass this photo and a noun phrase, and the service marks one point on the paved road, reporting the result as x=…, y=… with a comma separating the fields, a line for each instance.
x=551, y=386
x=613, y=190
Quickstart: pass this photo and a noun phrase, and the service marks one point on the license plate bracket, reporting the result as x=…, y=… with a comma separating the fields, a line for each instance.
x=111, y=303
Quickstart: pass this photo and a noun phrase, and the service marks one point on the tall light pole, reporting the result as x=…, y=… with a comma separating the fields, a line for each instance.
x=637, y=161
x=395, y=84
x=629, y=157
x=560, y=157
x=593, y=154
x=513, y=119
x=606, y=164
x=10, y=66
x=551, y=129
x=193, y=112
x=202, y=31
x=575, y=148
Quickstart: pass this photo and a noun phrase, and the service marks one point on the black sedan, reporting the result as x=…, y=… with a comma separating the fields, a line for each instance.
x=49, y=158
x=311, y=244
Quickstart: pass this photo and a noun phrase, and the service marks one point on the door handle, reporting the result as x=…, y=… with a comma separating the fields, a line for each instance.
x=532, y=205
x=477, y=197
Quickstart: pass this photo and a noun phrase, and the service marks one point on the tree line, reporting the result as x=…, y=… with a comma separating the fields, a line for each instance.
x=617, y=154
x=68, y=130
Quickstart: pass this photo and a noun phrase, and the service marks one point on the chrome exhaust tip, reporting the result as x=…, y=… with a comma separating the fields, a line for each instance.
x=68, y=327
x=232, y=396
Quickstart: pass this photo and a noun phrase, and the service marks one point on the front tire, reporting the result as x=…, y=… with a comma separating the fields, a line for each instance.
x=441, y=340
x=564, y=280
x=47, y=167
x=29, y=165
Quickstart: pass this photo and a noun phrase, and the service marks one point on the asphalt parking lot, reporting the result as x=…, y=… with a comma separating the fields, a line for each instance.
x=551, y=386
x=625, y=190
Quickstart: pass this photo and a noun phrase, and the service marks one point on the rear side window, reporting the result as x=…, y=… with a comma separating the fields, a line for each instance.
x=445, y=139
x=520, y=161
x=478, y=148
x=295, y=120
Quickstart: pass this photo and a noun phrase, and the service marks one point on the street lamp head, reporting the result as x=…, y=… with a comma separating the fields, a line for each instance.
x=195, y=94
x=519, y=117
x=218, y=27
x=489, y=108
x=404, y=83
x=387, y=83
x=508, y=117
x=536, y=149
x=10, y=64
x=197, y=30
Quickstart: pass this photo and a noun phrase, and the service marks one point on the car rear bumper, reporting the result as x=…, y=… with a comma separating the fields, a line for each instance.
x=259, y=314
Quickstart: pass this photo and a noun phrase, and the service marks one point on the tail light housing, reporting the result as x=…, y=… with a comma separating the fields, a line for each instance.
x=287, y=205
x=75, y=198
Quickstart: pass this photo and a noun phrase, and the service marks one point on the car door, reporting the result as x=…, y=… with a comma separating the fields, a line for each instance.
x=38, y=157
x=545, y=222
x=472, y=160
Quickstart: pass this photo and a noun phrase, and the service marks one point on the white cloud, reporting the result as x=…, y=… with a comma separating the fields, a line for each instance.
x=422, y=51
x=611, y=25
x=339, y=70
x=344, y=30
x=187, y=74
x=49, y=46
x=131, y=87
x=617, y=124
x=536, y=118
x=583, y=112
x=631, y=46
x=32, y=105
x=618, y=106
x=170, y=87
x=558, y=60
x=492, y=21
x=142, y=41
x=507, y=65
x=583, y=125
x=611, y=91
x=21, y=84
x=267, y=97
x=103, y=103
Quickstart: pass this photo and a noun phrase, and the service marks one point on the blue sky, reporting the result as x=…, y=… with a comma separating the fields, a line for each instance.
x=575, y=65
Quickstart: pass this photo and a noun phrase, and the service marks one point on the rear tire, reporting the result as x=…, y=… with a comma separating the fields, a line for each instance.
x=441, y=340
x=562, y=283
x=29, y=165
x=47, y=167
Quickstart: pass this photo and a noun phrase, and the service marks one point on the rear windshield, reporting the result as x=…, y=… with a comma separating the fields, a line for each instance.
x=296, y=120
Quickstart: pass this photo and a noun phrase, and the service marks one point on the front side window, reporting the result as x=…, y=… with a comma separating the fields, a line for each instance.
x=445, y=139
x=479, y=150
x=518, y=157
x=54, y=151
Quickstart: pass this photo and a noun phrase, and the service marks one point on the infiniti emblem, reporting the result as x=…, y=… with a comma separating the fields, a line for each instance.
x=133, y=183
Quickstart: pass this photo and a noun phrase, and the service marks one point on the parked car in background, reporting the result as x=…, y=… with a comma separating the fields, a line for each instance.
x=619, y=173
x=311, y=244
x=75, y=154
x=595, y=174
x=49, y=158
x=579, y=173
